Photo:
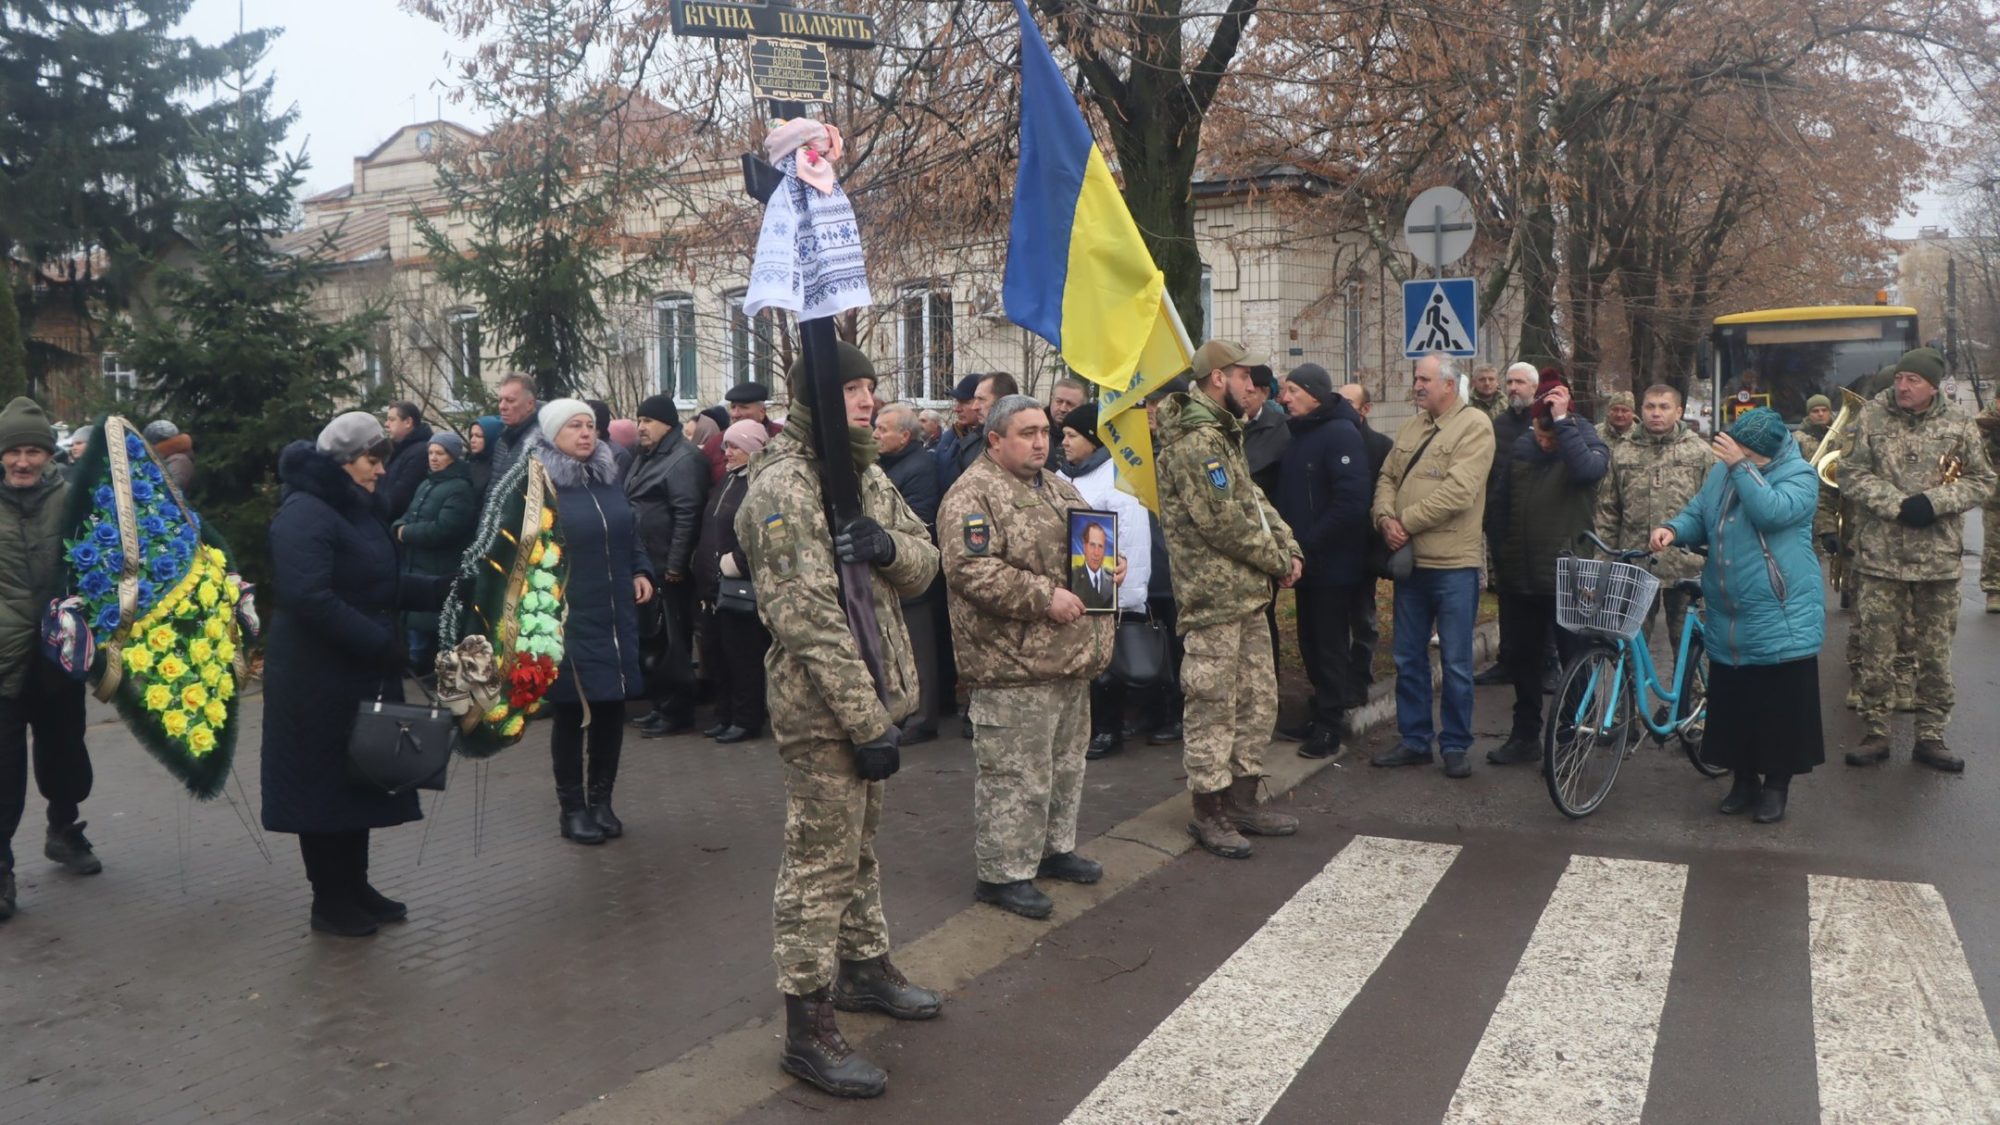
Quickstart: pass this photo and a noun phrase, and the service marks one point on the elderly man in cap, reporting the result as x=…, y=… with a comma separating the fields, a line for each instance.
x=1620, y=414
x=1231, y=550
x=1916, y=466
x=667, y=483
x=1266, y=431
x=35, y=695
x=746, y=403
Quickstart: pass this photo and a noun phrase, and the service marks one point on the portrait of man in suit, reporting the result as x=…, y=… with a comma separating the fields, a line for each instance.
x=1093, y=561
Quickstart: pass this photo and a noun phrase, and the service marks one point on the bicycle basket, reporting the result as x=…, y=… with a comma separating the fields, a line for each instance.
x=1596, y=597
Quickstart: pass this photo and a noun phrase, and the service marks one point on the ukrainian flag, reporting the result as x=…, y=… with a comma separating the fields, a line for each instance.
x=1078, y=274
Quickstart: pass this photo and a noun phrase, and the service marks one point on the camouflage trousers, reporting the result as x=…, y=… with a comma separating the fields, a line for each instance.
x=1028, y=743
x=1676, y=605
x=1232, y=701
x=1929, y=610
x=1989, y=559
x=828, y=904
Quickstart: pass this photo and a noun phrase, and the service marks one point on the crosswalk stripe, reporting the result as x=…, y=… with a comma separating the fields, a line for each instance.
x=1898, y=1027
x=1572, y=1038
x=1230, y=1050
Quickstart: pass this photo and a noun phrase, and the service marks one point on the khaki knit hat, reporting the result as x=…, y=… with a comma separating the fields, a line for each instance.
x=24, y=422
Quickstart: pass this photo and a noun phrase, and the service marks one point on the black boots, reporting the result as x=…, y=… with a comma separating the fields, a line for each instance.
x=578, y=824
x=8, y=893
x=1742, y=796
x=1070, y=868
x=875, y=985
x=1771, y=804
x=603, y=777
x=1102, y=745
x=816, y=1053
x=343, y=903
x=67, y=846
x=1517, y=750
x=733, y=734
x=1016, y=898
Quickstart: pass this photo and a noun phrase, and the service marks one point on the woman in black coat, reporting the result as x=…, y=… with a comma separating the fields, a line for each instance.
x=733, y=642
x=434, y=532
x=608, y=578
x=333, y=643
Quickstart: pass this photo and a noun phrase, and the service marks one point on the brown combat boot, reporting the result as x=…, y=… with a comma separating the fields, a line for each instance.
x=1213, y=829
x=1240, y=804
x=1993, y=602
x=1873, y=751
x=1932, y=752
x=875, y=985
x=816, y=1053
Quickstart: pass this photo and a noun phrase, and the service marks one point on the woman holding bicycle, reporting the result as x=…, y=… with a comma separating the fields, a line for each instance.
x=1766, y=610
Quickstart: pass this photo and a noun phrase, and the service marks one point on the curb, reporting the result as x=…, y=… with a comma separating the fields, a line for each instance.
x=733, y=1072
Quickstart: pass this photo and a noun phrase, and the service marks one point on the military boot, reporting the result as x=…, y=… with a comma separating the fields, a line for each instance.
x=1873, y=751
x=1932, y=752
x=1240, y=803
x=816, y=1053
x=1070, y=868
x=875, y=985
x=1993, y=602
x=1020, y=897
x=67, y=846
x=1213, y=829
x=577, y=822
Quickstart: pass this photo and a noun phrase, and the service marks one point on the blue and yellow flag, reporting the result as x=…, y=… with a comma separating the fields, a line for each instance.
x=1078, y=274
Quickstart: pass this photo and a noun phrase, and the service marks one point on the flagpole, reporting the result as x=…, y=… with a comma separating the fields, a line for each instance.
x=1174, y=318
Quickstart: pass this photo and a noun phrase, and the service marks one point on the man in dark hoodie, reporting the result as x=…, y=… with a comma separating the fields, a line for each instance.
x=1324, y=489
x=668, y=481
x=1547, y=497
x=409, y=464
x=1508, y=426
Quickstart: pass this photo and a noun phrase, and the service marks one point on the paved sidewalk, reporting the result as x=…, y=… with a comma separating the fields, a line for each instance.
x=533, y=976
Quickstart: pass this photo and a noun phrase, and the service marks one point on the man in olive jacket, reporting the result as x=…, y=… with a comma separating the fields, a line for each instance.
x=1230, y=548
x=1031, y=654
x=34, y=693
x=668, y=482
x=1655, y=472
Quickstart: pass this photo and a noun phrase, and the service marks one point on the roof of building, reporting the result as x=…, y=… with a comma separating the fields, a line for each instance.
x=354, y=237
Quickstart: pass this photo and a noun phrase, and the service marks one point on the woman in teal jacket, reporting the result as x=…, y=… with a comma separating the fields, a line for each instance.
x=1765, y=610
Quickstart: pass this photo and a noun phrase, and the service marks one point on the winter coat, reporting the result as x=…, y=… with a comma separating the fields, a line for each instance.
x=333, y=643
x=1265, y=438
x=1759, y=607
x=32, y=571
x=1545, y=502
x=1441, y=499
x=718, y=536
x=1898, y=454
x=1096, y=480
x=1229, y=544
x=712, y=449
x=1508, y=426
x=408, y=466
x=965, y=448
x=177, y=455
x=436, y=529
x=1652, y=477
x=914, y=472
x=601, y=554
x=1324, y=489
x=667, y=485
x=1379, y=444
x=513, y=440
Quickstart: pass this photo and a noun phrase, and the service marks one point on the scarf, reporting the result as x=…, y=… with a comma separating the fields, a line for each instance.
x=860, y=440
x=808, y=259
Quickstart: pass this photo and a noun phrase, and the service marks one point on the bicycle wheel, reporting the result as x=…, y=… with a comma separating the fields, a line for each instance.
x=1584, y=736
x=1694, y=702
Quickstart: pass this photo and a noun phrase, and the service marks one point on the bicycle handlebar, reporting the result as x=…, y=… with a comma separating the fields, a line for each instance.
x=1632, y=556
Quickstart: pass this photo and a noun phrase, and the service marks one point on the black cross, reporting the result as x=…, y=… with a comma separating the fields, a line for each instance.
x=715, y=19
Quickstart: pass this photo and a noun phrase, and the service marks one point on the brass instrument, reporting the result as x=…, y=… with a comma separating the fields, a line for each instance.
x=1826, y=460
x=1951, y=466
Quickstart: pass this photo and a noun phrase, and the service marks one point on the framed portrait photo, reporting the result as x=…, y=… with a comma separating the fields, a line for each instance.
x=1093, y=558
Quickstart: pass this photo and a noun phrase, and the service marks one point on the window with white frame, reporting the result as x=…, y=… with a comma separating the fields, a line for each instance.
x=119, y=379
x=676, y=370
x=751, y=343
x=924, y=343
x=462, y=346
x=1207, y=301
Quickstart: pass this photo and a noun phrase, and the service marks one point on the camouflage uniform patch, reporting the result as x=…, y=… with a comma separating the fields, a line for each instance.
x=1232, y=702
x=1028, y=743
x=828, y=904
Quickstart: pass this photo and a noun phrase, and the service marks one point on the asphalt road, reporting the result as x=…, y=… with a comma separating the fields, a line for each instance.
x=1427, y=950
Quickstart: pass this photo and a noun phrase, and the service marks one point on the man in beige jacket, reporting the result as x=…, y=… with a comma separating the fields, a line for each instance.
x=1431, y=496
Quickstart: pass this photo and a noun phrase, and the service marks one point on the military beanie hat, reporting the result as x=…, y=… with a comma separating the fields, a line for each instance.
x=1817, y=401
x=1925, y=362
x=24, y=422
x=661, y=408
x=854, y=364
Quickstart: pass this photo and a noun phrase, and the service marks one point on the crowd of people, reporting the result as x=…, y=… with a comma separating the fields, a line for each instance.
x=701, y=571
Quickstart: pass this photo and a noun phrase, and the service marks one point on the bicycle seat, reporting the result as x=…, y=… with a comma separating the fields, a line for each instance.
x=1689, y=586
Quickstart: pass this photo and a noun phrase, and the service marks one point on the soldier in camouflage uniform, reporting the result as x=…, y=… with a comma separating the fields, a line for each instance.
x=1832, y=526
x=836, y=732
x=1810, y=436
x=1620, y=422
x=1229, y=547
x=1487, y=393
x=1989, y=513
x=1654, y=474
x=1917, y=465
x=1031, y=654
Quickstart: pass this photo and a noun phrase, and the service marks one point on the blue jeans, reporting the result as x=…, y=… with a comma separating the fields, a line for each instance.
x=1449, y=601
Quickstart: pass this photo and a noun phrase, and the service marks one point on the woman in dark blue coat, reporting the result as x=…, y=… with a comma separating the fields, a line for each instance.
x=608, y=578
x=334, y=642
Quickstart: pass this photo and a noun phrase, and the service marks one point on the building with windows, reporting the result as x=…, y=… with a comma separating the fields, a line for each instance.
x=1267, y=280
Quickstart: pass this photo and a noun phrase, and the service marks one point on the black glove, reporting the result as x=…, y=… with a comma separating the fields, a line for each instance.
x=1917, y=511
x=1830, y=543
x=878, y=759
x=865, y=541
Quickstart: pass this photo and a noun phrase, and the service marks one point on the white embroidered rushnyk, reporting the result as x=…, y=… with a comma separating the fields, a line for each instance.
x=809, y=258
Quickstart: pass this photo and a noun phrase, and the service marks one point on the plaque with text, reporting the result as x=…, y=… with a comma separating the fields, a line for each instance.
x=789, y=70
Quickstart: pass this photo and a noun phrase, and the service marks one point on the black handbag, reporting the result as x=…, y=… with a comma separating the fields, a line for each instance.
x=736, y=595
x=1396, y=565
x=1139, y=653
x=397, y=747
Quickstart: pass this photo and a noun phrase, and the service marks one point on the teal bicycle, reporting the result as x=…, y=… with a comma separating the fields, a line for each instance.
x=1603, y=696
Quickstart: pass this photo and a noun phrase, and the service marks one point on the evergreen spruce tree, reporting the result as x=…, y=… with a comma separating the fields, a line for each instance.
x=233, y=352
x=13, y=355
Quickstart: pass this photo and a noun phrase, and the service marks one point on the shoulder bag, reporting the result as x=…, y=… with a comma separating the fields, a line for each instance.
x=1396, y=565
x=1139, y=652
x=736, y=595
x=397, y=747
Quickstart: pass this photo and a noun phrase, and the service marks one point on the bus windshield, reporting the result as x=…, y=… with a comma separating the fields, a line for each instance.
x=1782, y=363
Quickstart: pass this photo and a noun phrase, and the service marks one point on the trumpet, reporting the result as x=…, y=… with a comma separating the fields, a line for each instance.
x=1826, y=461
x=1951, y=466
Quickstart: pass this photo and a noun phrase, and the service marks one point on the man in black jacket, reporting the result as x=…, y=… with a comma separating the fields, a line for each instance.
x=914, y=471
x=518, y=408
x=667, y=483
x=1508, y=426
x=1324, y=490
x=1265, y=429
x=1364, y=616
x=409, y=464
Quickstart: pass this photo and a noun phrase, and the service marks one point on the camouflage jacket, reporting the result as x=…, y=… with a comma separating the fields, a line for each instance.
x=1826, y=521
x=1652, y=478
x=1988, y=421
x=1006, y=553
x=1615, y=439
x=1491, y=406
x=819, y=689
x=1898, y=454
x=1227, y=542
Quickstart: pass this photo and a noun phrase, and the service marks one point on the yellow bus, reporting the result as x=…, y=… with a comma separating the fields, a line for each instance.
x=1781, y=357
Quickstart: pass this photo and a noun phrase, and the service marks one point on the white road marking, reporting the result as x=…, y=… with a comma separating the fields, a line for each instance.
x=1230, y=1050
x=1898, y=1028
x=1572, y=1039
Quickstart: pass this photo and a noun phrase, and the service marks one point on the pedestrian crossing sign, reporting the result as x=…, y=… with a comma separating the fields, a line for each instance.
x=1440, y=315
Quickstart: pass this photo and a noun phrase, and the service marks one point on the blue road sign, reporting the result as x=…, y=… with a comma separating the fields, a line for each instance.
x=1440, y=315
